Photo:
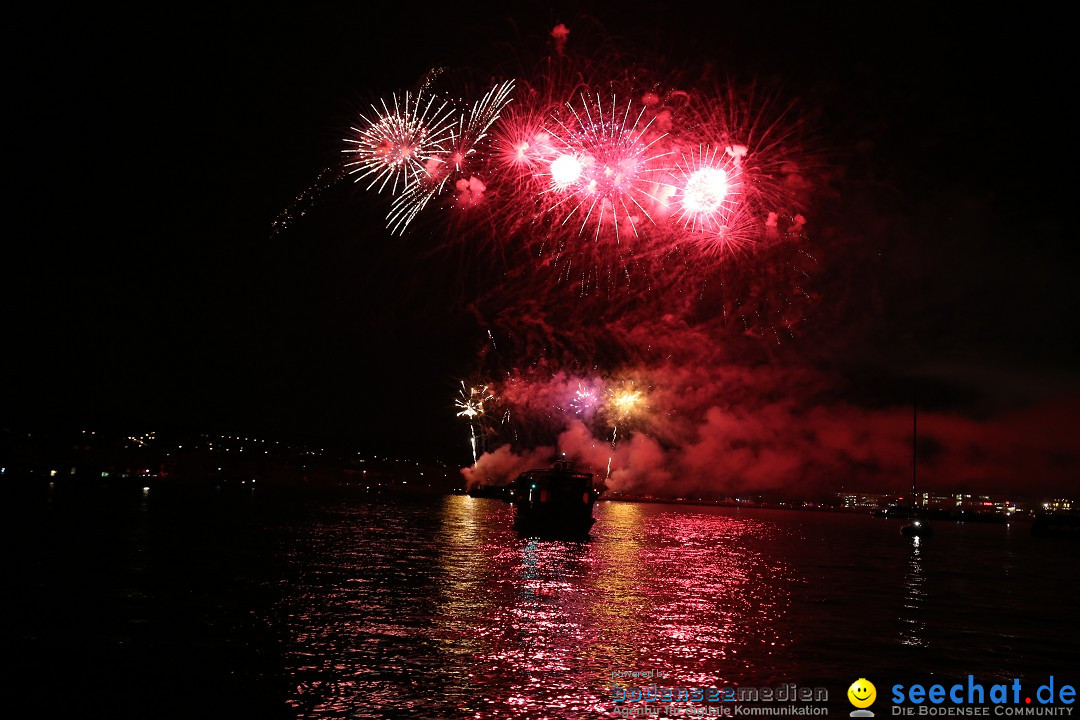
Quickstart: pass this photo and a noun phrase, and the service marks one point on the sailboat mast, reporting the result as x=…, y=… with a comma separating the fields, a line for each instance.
x=914, y=435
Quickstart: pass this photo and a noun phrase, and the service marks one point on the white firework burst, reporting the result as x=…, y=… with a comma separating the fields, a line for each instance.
x=394, y=146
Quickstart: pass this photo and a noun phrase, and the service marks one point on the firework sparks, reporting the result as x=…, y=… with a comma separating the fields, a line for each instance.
x=473, y=127
x=470, y=405
x=394, y=146
x=624, y=403
x=627, y=188
x=471, y=402
x=302, y=203
x=604, y=164
x=565, y=171
x=708, y=190
x=700, y=171
x=585, y=400
x=451, y=158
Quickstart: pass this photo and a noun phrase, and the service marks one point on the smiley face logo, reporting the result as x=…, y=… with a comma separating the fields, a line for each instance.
x=862, y=693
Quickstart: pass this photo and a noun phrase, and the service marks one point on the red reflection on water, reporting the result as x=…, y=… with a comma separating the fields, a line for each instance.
x=472, y=620
x=679, y=591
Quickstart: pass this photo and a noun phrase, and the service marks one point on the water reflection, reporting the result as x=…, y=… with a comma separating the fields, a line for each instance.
x=360, y=592
x=515, y=604
x=715, y=599
x=513, y=627
x=912, y=625
x=510, y=627
x=436, y=609
x=618, y=577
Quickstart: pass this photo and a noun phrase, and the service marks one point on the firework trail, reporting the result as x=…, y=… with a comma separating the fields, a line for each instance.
x=623, y=404
x=303, y=203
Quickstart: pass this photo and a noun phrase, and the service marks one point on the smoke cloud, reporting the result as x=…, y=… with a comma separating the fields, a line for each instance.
x=730, y=430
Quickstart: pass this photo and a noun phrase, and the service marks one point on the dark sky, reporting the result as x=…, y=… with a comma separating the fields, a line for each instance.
x=144, y=289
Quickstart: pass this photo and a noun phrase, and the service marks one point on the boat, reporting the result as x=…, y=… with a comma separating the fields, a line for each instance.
x=497, y=492
x=918, y=526
x=893, y=512
x=556, y=502
x=1057, y=524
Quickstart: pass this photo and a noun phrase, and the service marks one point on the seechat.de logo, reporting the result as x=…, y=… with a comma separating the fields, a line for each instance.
x=862, y=694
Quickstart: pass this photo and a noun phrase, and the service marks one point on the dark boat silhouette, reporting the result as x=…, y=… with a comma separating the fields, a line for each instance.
x=1057, y=524
x=556, y=502
x=918, y=527
x=893, y=512
x=497, y=492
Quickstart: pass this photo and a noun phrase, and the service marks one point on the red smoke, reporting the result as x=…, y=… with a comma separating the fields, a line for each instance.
x=725, y=430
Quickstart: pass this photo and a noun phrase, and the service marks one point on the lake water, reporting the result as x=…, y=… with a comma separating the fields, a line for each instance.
x=272, y=605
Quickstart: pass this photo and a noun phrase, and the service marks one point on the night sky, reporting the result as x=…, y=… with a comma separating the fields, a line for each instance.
x=145, y=290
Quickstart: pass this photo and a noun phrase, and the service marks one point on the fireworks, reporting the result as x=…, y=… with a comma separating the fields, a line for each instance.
x=418, y=146
x=585, y=400
x=604, y=163
x=401, y=138
x=630, y=212
x=708, y=190
x=667, y=170
x=565, y=171
x=625, y=402
x=470, y=405
x=616, y=184
x=705, y=191
x=473, y=126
